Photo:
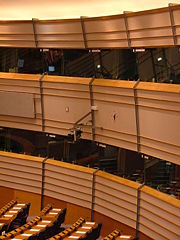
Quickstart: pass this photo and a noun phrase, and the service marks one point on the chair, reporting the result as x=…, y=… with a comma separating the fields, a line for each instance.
x=94, y=234
x=61, y=216
x=20, y=218
x=46, y=210
x=7, y=207
x=4, y=228
x=112, y=235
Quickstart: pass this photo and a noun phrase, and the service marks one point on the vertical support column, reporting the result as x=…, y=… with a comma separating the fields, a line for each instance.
x=42, y=61
x=42, y=101
x=116, y=63
x=84, y=32
x=138, y=210
x=92, y=111
x=62, y=62
x=42, y=182
x=137, y=115
x=34, y=31
x=145, y=165
x=127, y=29
x=153, y=65
x=8, y=140
x=172, y=24
x=121, y=161
x=15, y=60
x=166, y=63
x=93, y=193
x=93, y=60
x=101, y=64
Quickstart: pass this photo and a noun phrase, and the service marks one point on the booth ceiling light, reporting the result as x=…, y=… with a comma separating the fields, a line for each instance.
x=159, y=59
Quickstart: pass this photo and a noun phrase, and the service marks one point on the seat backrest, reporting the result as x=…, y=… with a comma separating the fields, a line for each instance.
x=112, y=235
x=7, y=207
x=46, y=210
x=20, y=218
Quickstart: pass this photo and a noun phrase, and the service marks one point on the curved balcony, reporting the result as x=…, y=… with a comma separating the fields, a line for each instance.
x=145, y=29
x=113, y=200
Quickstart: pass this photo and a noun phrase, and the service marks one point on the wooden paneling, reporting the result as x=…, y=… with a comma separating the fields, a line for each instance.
x=73, y=213
x=7, y=194
x=109, y=224
x=22, y=85
x=115, y=198
x=176, y=16
x=24, y=175
x=152, y=28
x=103, y=33
x=159, y=215
x=65, y=100
x=16, y=34
x=34, y=199
x=11, y=104
x=59, y=34
x=159, y=115
x=115, y=103
x=68, y=185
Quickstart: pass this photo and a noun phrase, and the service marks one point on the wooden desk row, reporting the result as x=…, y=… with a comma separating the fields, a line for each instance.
x=49, y=221
x=69, y=230
x=116, y=235
x=4, y=209
x=80, y=230
x=14, y=216
x=44, y=225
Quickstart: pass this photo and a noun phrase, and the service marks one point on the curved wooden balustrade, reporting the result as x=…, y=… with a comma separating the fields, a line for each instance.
x=145, y=29
x=144, y=118
x=21, y=172
x=114, y=197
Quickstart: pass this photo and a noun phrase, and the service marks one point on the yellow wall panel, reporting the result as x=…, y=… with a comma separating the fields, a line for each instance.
x=74, y=212
x=33, y=198
x=7, y=194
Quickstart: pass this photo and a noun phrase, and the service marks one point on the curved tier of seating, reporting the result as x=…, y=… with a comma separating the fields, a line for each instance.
x=49, y=223
x=80, y=230
x=116, y=235
x=69, y=230
x=41, y=227
x=152, y=28
x=48, y=226
x=13, y=215
x=142, y=117
x=9, y=205
x=113, y=200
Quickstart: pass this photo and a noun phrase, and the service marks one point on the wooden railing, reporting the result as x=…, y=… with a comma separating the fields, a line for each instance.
x=139, y=116
x=124, y=201
x=145, y=29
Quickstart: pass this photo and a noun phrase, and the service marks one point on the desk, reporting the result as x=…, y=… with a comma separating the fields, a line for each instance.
x=82, y=231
